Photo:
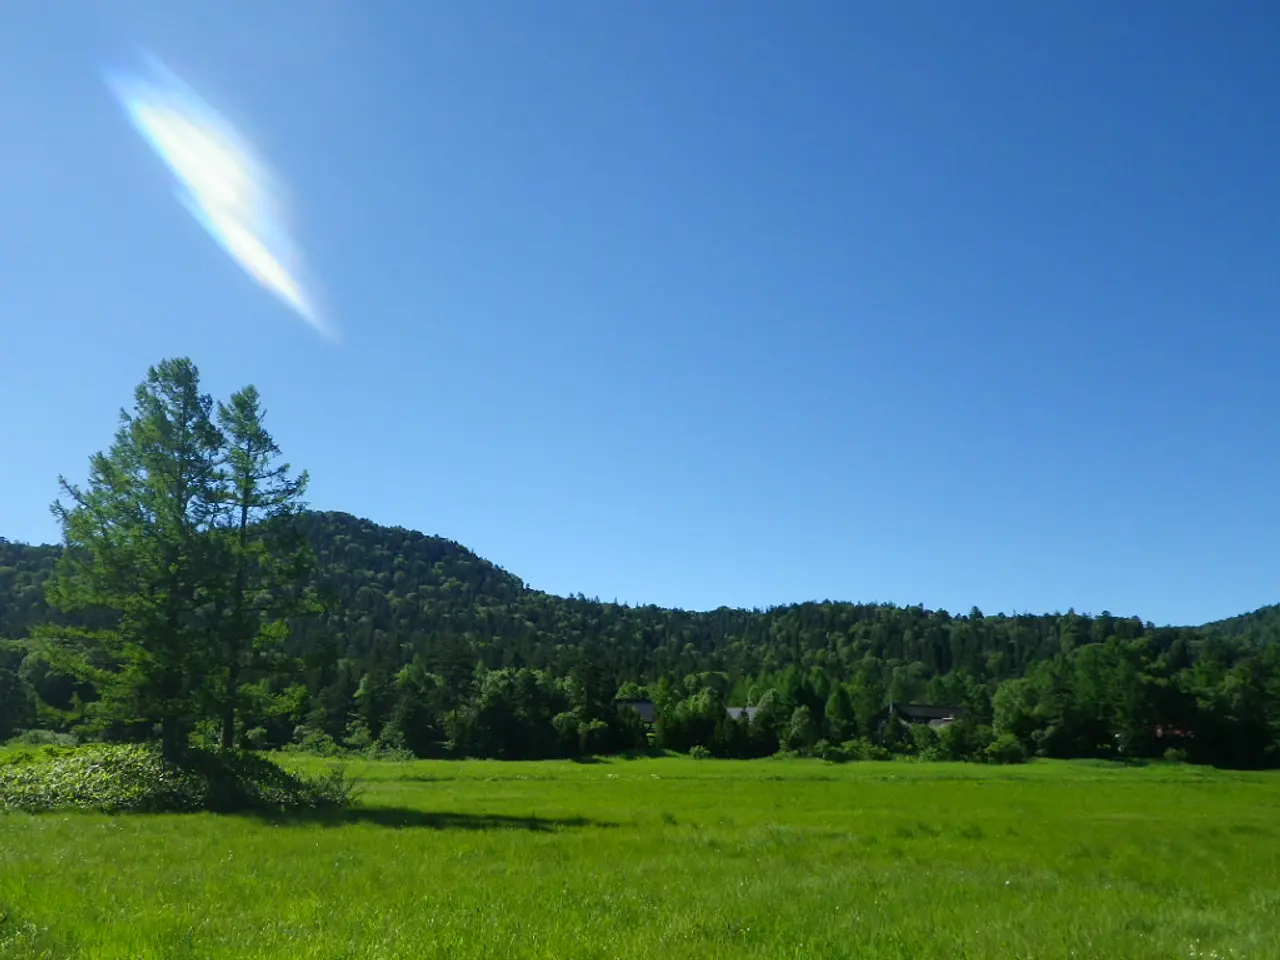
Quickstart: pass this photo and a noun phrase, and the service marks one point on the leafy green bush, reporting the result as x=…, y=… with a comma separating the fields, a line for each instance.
x=927, y=742
x=863, y=749
x=381, y=750
x=699, y=752
x=830, y=752
x=1175, y=755
x=314, y=742
x=1006, y=748
x=135, y=778
x=825, y=750
x=43, y=738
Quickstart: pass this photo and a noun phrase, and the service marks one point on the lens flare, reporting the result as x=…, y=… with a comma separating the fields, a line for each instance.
x=220, y=180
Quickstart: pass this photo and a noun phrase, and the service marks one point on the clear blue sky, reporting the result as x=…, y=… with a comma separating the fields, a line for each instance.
x=698, y=303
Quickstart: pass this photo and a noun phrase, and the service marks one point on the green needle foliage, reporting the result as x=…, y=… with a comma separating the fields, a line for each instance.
x=267, y=561
x=138, y=548
x=183, y=559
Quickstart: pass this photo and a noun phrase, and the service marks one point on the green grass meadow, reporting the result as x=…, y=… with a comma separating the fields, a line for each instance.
x=672, y=858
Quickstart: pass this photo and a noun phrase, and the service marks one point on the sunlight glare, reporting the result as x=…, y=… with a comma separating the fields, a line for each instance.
x=220, y=180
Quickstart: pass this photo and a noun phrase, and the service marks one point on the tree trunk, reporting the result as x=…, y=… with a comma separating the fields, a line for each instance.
x=229, y=708
x=171, y=739
x=238, y=621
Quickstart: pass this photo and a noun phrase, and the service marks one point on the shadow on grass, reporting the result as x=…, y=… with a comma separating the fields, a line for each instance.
x=645, y=753
x=405, y=818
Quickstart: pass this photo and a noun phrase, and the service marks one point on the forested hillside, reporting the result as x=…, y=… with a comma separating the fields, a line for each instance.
x=421, y=643
x=393, y=594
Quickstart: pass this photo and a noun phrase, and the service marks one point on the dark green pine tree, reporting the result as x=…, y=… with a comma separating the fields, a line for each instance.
x=840, y=721
x=137, y=546
x=266, y=561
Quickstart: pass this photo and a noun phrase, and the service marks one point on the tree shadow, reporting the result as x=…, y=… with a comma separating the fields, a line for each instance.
x=401, y=818
x=644, y=753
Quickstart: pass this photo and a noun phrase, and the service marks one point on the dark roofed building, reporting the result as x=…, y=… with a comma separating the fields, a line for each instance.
x=647, y=709
x=919, y=713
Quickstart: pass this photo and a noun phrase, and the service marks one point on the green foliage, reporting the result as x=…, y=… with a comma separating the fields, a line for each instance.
x=136, y=545
x=964, y=740
x=838, y=715
x=315, y=742
x=136, y=778
x=194, y=590
x=864, y=749
x=43, y=738
x=699, y=752
x=17, y=703
x=181, y=565
x=832, y=752
x=926, y=743
x=1006, y=748
x=801, y=731
x=265, y=563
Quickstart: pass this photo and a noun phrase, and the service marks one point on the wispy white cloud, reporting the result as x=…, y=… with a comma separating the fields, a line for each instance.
x=220, y=181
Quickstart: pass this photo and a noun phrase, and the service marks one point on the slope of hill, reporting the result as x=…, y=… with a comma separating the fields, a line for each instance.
x=424, y=644
x=1262, y=625
x=397, y=593
x=23, y=571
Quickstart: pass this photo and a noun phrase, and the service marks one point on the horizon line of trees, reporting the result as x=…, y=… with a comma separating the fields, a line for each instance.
x=195, y=596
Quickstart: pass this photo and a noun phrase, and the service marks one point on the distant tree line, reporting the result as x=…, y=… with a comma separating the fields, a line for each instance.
x=194, y=597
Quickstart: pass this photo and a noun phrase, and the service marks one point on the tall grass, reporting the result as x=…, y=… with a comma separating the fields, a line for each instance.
x=672, y=858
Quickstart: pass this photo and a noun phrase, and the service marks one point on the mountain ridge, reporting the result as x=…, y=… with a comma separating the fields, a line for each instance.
x=422, y=643
x=448, y=557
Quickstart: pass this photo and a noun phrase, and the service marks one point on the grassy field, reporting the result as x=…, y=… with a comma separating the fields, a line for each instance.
x=673, y=858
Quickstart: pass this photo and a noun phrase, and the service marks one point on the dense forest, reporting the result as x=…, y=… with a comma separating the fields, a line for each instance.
x=398, y=642
x=422, y=645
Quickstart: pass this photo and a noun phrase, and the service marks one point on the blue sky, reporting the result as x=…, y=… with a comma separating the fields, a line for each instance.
x=697, y=303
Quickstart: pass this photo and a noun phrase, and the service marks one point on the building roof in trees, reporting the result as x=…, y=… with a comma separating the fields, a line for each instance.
x=647, y=709
x=923, y=713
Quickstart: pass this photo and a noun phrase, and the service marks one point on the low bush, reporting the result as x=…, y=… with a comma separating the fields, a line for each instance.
x=864, y=749
x=699, y=752
x=828, y=751
x=43, y=738
x=135, y=778
x=1006, y=748
x=314, y=742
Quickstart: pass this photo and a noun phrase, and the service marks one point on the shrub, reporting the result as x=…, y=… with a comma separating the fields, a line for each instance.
x=358, y=736
x=43, y=738
x=381, y=750
x=864, y=749
x=927, y=742
x=593, y=737
x=699, y=752
x=1006, y=748
x=830, y=752
x=315, y=742
x=1175, y=755
x=257, y=738
x=135, y=778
